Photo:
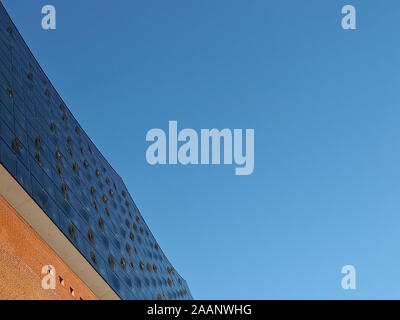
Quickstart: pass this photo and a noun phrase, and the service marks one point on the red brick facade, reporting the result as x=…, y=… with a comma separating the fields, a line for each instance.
x=23, y=254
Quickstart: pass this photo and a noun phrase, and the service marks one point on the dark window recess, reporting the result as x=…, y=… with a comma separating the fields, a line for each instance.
x=111, y=261
x=53, y=126
x=64, y=117
x=105, y=199
x=93, y=257
x=95, y=205
x=92, y=191
x=154, y=268
x=38, y=141
x=148, y=266
x=15, y=144
x=127, y=204
x=101, y=223
x=30, y=76
x=97, y=172
x=70, y=151
x=107, y=180
x=69, y=140
x=132, y=236
x=91, y=236
x=137, y=219
x=75, y=167
x=123, y=263
x=64, y=188
x=37, y=157
x=71, y=231
x=62, y=107
x=131, y=264
x=86, y=164
x=59, y=171
x=77, y=130
x=111, y=192
x=107, y=212
x=58, y=154
x=141, y=230
x=141, y=265
x=62, y=281
x=47, y=93
x=128, y=248
x=10, y=93
x=124, y=194
x=128, y=224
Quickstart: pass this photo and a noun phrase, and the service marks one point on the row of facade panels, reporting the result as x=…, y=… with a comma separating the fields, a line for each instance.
x=45, y=149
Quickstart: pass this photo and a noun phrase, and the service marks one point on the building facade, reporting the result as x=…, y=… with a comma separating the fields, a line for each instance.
x=62, y=203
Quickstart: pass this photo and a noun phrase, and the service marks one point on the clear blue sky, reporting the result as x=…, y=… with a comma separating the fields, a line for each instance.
x=325, y=106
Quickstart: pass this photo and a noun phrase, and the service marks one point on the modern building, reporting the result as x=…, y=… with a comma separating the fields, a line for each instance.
x=64, y=211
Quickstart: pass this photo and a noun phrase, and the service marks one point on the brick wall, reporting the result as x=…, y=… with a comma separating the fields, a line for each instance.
x=22, y=256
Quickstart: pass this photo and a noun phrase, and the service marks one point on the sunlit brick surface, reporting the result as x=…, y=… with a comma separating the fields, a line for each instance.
x=22, y=257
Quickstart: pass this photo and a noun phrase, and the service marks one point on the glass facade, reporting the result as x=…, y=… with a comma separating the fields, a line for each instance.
x=44, y=148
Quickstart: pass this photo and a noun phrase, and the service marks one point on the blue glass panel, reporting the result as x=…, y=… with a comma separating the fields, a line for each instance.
x=35, y=123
